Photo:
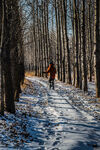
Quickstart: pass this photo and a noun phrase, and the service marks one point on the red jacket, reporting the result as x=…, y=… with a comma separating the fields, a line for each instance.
x=52, y=70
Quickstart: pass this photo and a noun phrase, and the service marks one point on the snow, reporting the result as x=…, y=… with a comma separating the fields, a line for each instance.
x=60, y=119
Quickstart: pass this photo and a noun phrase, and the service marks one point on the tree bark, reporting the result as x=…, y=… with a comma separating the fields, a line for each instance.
x=76, y=43
x=84, y=48
x=97, y=46
x=69, y=81
x=1, y=65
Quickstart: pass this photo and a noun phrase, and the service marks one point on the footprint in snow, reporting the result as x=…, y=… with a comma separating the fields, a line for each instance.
x=58, y=138
x=55, y=143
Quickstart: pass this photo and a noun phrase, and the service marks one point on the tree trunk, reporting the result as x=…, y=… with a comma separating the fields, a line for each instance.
x=63, y=39
x=80, y=47
x=1, y=65
x=90, y=42
x=57, y=50
x=69, y=81
x=76, y=43
x=84, y=48
x=97, y=46
x=60, y=41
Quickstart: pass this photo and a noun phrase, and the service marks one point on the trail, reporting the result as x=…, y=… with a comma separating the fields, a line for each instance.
x=65, y=126
x=52, y=122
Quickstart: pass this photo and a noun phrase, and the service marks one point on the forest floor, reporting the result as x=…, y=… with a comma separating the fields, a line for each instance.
x=62, y=119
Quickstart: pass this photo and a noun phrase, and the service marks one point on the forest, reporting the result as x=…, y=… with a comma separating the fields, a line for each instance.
x=35, y=32
x=32, y=32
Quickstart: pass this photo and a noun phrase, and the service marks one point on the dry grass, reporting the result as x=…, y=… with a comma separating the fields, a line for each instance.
x=26, y=83
x=29, y=74
x=98, y=100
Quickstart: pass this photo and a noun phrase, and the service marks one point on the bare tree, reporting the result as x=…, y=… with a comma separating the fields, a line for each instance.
x=97, y=46
x=84, y=47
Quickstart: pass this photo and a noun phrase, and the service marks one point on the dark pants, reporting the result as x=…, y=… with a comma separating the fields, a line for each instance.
x=51, y=81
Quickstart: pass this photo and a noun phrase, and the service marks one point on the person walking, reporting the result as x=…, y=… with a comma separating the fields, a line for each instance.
x=51, y=71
